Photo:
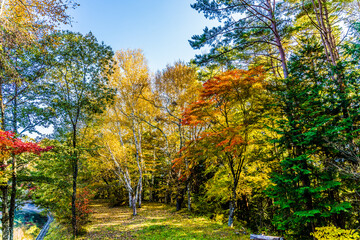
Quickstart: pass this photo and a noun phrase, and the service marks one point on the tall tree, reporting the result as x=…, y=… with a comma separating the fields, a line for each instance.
x=76, y=88
x=307, y=188
x=232, y=105
x=323, y=17
x=174, y=89
x=124, y=132
x=23, y=24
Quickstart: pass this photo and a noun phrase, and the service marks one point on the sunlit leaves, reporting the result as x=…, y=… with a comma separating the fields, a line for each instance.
x=11, y=146
x=14, y=146
x=227, y=112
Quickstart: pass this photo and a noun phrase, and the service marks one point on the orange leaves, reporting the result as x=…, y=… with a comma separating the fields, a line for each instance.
x=222, y=93
x=234, y=142
x=227, y=140
x=226, y=109
x=230, y=83
x=194, y=114
x=225, y=114
x=222, y=143
x=177, y=162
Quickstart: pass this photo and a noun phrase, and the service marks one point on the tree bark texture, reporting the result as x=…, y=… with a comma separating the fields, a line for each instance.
x=75, y=174
x=232, y=208
x=13, y=199
x=5, y=213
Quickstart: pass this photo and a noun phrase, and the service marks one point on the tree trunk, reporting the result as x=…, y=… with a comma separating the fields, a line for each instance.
x=14, y=172
x=137, y=140
x=188, y=185
x=151, y=198
x=152, y=182
x=140, y=192
x=180, y=192
x=142, y=165
x=5, y=213
x=15, y=108
x=278, y=40
x=188, y=195
x=328, y=41
x=4, y=187
x=179, y=199
x=166, y=200
x=134, y=204
x=73, y=199
x=232, y=208
x=75, y=174
x=231, y=213
x=2, y=106
x=130, y=200
x=13, y=199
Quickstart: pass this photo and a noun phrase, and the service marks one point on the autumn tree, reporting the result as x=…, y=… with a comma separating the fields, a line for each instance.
x=23, y=26
x=175, y=88
x=231, y=105
x=11, y=146
x=122, y=135
x=29, y=16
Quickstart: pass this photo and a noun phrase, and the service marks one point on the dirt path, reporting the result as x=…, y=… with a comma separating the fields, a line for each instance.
x=154, y=221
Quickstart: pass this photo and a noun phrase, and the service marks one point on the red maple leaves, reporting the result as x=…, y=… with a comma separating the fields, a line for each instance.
x=13, y=145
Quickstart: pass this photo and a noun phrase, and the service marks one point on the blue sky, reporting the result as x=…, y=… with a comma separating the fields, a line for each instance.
x=161, y=28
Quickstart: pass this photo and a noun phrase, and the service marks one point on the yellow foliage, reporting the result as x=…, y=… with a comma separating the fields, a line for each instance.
x=34, y=12
x=24, y=22
x=179, y=83
x=334, y=233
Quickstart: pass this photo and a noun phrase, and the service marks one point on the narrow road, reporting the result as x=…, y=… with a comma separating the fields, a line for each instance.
x=45, y=229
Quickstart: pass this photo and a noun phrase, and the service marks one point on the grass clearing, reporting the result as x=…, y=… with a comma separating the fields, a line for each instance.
x=154, y=221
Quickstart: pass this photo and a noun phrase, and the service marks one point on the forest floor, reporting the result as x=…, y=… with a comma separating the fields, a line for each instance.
x=154, y=221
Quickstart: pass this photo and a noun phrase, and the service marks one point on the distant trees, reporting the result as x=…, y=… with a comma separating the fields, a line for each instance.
x=175, y=88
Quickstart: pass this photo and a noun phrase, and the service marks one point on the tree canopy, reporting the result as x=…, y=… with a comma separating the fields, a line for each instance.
x=259, y=132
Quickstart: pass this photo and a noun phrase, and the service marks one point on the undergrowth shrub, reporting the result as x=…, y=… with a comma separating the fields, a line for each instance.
x=335, y=233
